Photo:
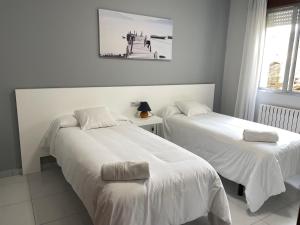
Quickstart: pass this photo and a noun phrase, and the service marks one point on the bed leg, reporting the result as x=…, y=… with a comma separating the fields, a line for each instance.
x=241, y=189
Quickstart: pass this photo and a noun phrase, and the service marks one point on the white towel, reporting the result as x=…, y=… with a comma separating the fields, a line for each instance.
x=260, y=136
x=125, y=171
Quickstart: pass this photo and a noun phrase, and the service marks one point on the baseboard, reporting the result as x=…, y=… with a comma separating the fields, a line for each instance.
x=9, y=173
x=46, y=165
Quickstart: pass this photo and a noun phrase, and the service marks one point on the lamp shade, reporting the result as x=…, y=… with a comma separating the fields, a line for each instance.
x=144, y=107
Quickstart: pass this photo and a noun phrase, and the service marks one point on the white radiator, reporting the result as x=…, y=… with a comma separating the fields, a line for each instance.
x=285, y=118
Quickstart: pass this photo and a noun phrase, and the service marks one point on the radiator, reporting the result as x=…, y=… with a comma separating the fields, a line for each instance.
x=281, y=117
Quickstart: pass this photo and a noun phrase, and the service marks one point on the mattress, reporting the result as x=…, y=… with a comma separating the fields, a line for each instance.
x=261, y=167
x=181, y=187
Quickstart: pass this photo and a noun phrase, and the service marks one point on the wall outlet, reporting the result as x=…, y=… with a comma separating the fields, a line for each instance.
x=135, y=104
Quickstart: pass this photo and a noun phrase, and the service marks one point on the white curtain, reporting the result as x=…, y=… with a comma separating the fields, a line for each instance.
x=252, y=59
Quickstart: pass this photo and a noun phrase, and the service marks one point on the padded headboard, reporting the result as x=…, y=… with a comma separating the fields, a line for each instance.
x=37, y=108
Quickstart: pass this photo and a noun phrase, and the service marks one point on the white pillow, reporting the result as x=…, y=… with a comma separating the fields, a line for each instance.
x=66, y=121
x=169, y=111
x=119, y=117
x=95, y=118
x=191, y=108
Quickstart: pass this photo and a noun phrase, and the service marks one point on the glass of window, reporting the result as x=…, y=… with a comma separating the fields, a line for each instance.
x=278, y=32
x=296, y=83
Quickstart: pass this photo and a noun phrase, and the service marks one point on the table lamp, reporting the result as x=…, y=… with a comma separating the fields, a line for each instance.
x=144, y=108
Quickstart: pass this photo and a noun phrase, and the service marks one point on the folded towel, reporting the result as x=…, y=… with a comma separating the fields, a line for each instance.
x=125, y=171
x=260, y=136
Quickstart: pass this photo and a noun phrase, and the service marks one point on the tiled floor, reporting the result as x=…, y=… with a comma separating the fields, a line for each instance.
x=46, y=198
x=42, y=198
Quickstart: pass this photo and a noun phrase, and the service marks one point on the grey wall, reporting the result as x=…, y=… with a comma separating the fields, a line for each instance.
x=234, y=50
x=55, y=44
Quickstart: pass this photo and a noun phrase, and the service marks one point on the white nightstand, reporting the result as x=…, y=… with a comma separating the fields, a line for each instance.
x=155, y=121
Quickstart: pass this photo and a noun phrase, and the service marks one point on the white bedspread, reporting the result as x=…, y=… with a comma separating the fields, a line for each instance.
x=260, y=167
x=181, y=187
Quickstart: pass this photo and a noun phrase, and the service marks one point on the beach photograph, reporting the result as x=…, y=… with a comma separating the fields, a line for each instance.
x=131, y=36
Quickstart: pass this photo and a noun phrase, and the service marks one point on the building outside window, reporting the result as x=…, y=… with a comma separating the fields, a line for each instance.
x=281, y=64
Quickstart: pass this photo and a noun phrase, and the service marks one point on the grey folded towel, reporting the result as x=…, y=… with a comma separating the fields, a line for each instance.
x=125, y=171
x=260, y=136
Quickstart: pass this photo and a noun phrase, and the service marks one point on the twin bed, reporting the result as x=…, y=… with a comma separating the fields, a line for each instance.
x=182, y=186
x=261, y=167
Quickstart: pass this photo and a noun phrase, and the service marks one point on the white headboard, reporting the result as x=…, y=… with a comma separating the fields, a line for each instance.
x=37, y=108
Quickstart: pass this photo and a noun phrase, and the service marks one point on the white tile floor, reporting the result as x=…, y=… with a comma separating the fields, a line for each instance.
x=47, y=199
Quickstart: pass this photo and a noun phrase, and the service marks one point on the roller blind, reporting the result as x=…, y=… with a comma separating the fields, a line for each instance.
x=282, y=16
x=280, y=3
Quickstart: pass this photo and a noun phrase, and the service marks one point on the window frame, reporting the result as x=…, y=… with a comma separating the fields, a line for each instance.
x=291, y=61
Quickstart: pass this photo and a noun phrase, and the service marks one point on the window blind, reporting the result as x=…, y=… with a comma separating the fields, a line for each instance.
x=280, y=3
x=283, y=16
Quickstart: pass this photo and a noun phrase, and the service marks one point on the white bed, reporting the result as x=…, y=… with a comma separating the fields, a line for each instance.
x=181, y=188
x=261, y=167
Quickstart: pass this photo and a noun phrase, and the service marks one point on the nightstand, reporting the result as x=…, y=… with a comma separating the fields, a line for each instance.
x=153, y=121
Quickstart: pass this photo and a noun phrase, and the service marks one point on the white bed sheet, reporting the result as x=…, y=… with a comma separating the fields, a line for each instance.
x=261, y=167
x=181, y=188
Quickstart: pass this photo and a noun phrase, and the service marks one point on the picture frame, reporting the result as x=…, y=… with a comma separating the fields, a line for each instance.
x=132, y=36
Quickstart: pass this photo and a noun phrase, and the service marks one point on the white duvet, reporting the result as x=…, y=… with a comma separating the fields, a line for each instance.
x=261, y=167
x=181, y=188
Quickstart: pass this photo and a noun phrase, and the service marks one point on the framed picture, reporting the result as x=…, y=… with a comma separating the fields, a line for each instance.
x=130, y=36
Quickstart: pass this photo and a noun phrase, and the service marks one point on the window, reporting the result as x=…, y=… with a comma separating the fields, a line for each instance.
x=281, y=65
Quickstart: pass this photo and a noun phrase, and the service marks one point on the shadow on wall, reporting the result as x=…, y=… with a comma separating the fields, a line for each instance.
x=15, y=131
